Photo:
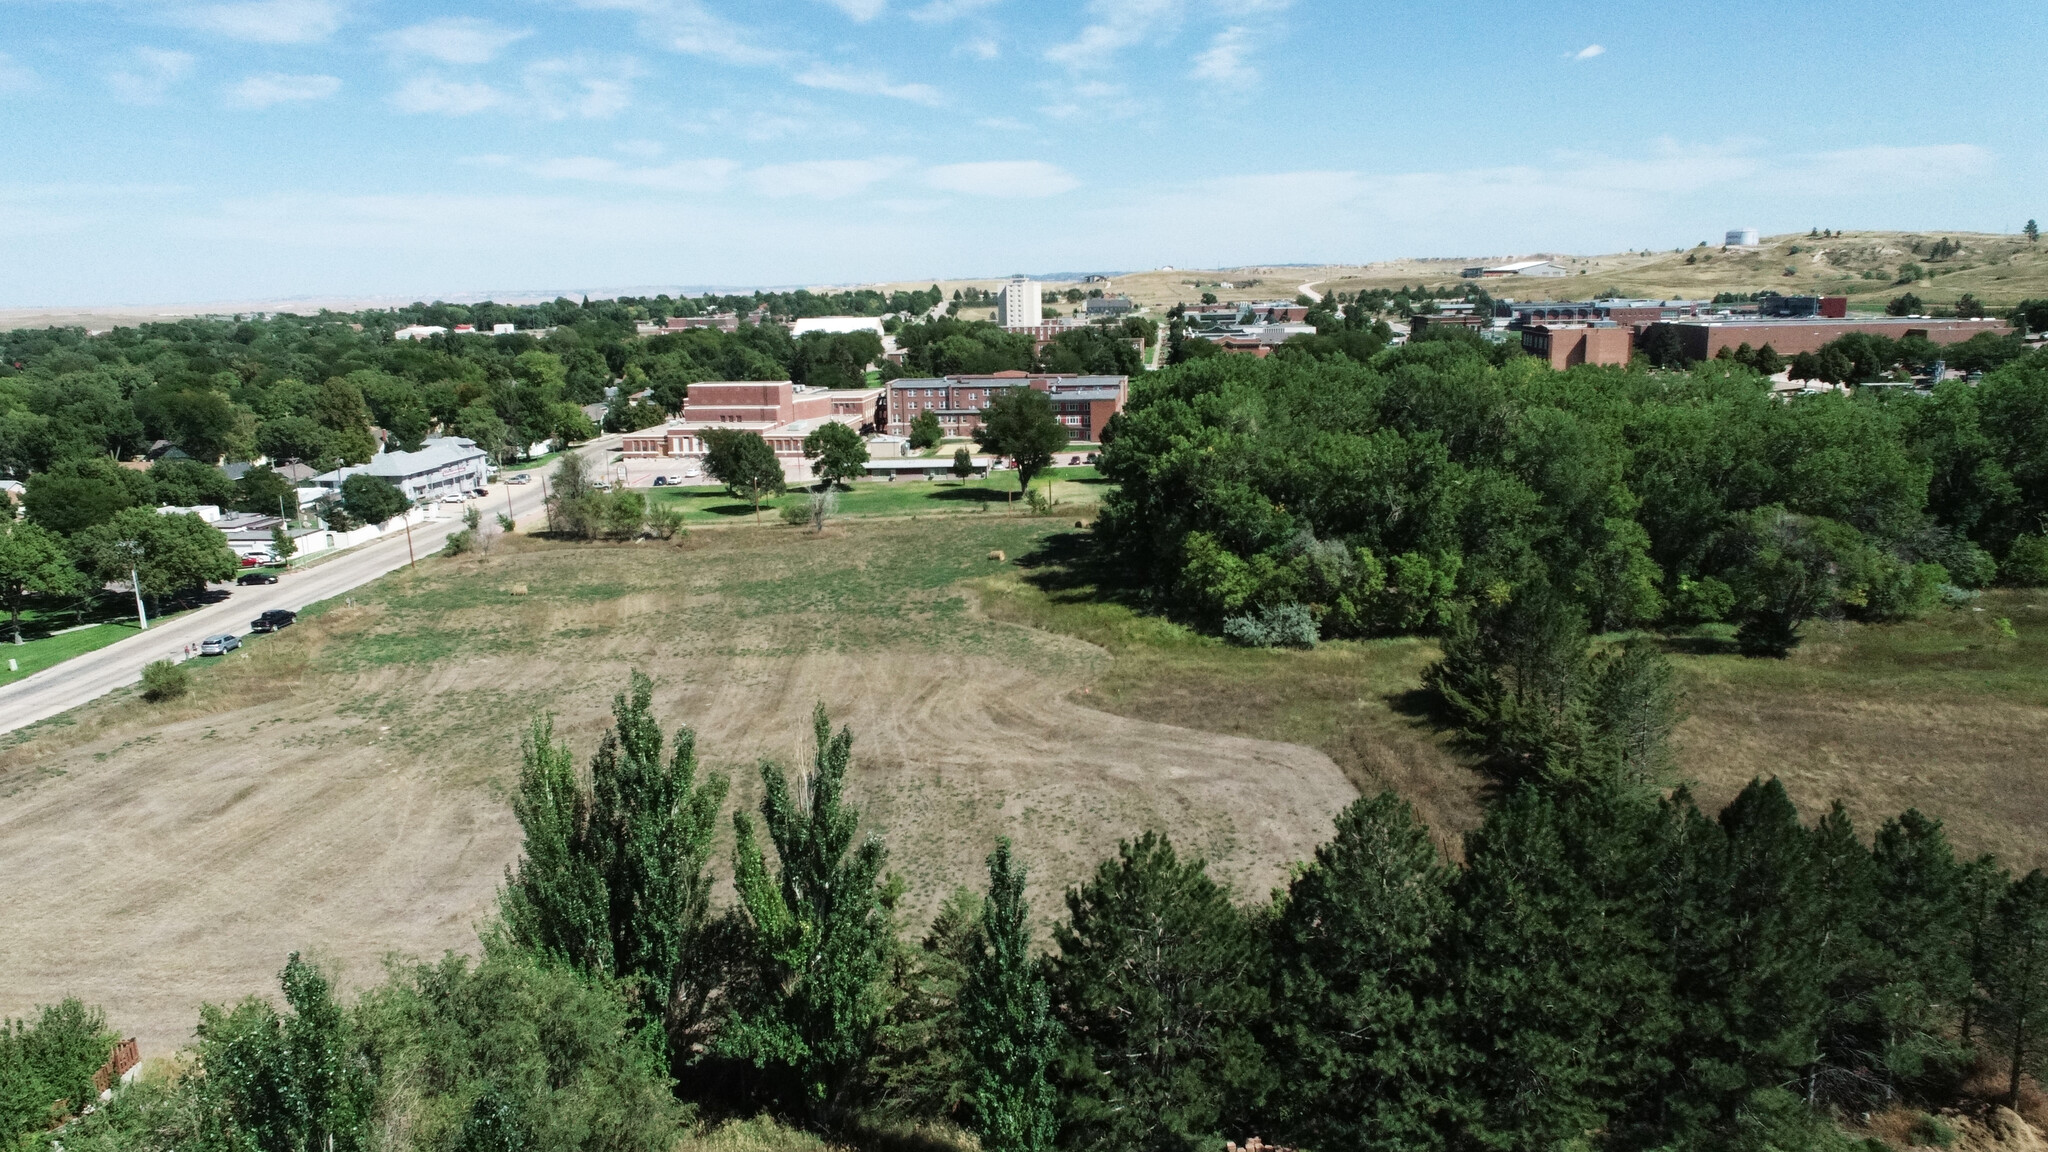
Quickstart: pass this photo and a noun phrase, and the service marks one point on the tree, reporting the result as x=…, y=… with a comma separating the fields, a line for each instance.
x=2033, y=232
x=409, y=427
x=612, y=877
x=262, y=490
x=814, y=932
x=293, y=1083
x=372, y=499
x=171, y=555
x=294, y=439
x=925, y=431
x=340, y=408
x=33, y=561
x=188, y=483
x=1155, y=985
x=837, y=453
x=1903, y=305
x=744, y=463
x=80, y=492
x=1010, y=1035
x=482, y=427
x=47, y=1066
x=1968, y=307
x=963, y=464
x=1019, y=423
x=1360, y=1006
x=2015, y=978
x=282, y=546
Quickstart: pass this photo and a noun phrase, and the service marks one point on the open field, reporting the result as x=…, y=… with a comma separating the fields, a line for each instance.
x=1073, y=490
x=340, y=787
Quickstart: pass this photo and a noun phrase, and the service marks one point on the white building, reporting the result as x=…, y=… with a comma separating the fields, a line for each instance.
x=837, y=324
x=1519, y=268
x=1019, y=304
x=1741, y=238
x=418, y=332
x=443, y=464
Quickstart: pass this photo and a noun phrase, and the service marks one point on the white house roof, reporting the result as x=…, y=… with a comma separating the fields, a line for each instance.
x=437, y=453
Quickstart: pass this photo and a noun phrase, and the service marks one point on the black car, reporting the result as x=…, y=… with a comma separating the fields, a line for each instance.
x=257, y=578
x=273, y=620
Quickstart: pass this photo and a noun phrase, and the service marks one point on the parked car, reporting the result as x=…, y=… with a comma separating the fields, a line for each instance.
x=520, y=478
x=661, y=481
x=272, y=621
x=454, y=498
x=219, y=645
x=479, y=491
x=258, y=578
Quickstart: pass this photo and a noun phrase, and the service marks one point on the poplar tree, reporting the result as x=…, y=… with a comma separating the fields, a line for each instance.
x=816, y=932
x=1011, y=1036
x=1360, y=1006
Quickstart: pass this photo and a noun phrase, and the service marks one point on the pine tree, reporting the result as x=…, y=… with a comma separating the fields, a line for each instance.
x=920, y=1064
x=1154, y=983
x=1359, y=1002
x=816, y=933
x=2015, y=979
x=1011, y=1037
x=1632, y=706
x=1919, y=926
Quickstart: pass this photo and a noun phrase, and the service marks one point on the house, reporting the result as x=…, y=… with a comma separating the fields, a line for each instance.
x=443, y=464
x=923, y=467
x=1083, y=403
x=419, y=332
x=781, y=412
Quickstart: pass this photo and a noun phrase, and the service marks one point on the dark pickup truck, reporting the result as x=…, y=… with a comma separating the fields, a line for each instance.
x=273, y=620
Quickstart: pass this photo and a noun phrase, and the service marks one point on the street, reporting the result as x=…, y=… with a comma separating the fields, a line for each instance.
x=94, y=674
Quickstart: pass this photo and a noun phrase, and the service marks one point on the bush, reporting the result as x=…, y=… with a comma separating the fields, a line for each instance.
x=666, y=523
x=796, y=513
x=1701, y=601
x=1273, y=626
x=1931, y=1131
x=460, y=542
x=46, y=1066
x=163, y=680
x=2026, y=562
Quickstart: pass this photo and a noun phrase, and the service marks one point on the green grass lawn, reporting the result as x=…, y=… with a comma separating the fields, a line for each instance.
x=1074, y=488
x=35, y=655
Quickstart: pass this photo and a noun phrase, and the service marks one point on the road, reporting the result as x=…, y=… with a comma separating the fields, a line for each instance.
x=88, y=677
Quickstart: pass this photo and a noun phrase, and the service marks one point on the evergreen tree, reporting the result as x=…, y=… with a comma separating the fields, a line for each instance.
x=816, y=934
x=2015, y=979
x=1919, y=927
x=1359, y=1003
x=1011, y=1037
x=1154, y=983
x=920, y=1065
x=1632, y=706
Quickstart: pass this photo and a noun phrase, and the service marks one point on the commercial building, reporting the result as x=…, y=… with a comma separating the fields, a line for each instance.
x=1515, y=268
x=443, y=464
x=1801, y=307
x=1019, y=304
x=1109, y=305
x=781, y=412
x=1569, y=345
x=1627, y=313
x=1420, y=323
x=1083, y=403
x=1702, y=339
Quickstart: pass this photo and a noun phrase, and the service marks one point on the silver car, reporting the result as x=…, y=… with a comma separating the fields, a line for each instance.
x=219, y=645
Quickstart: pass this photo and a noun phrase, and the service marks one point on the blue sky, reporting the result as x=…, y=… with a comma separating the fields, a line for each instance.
x=158, y=151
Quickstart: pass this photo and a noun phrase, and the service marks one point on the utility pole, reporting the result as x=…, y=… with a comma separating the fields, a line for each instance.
x=411, y=561
x=135, y=582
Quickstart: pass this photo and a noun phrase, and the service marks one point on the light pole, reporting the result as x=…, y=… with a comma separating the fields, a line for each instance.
x=411, y=561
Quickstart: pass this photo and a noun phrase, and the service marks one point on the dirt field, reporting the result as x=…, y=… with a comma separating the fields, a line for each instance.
x=340, y=788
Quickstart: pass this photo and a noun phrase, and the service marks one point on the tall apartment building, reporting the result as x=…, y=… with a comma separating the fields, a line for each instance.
x=1020, y=304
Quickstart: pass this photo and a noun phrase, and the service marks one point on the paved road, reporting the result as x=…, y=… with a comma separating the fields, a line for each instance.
x=83, y=678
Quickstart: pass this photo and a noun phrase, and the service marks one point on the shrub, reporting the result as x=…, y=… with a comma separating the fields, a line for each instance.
x=2026, y=562
x=460, y=542
x=163, y=680
x=1273, y=626
x=666, y=523
x=1701, y=601
x=506, y=524
x=796, y=513
x=1931, y=1131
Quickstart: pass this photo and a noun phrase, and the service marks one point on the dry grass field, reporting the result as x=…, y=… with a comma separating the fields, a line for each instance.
x=340, y=787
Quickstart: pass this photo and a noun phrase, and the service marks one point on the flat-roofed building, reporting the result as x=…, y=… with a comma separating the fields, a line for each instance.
x=1569, y=345
x=781, y=412
x=1083, y=403
x=443, y=464
x=1702, y=339
x=1019, y=304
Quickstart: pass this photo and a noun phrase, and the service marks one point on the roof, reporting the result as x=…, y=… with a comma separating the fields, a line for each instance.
x=837, y=324
x=439, y=452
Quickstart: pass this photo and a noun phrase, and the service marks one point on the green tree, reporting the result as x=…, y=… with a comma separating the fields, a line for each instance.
x=409, y=427
x=172, y=555
x=613, y=877
x=282, y=546
x=925, y=431
x=33, y=562
x=1360, y=1007
x=837, y=453
x=290, y=1083
x=372, y=499
x=47, y=1065
x=815, y=935
x=340, y=408
x=78, y=493
x=481, y=426
x=1155, y=985
x=262, y=490
x=188, y=483
x=744, y=463
x=1904, y=305
x=2014, y=976
x=294, y=439
x=2033, y=232
x=963, y=464
x=1020, y=424
x=1010, y=1036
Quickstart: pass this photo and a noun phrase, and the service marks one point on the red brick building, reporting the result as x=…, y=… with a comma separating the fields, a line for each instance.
x=1083, y=403
x=780, y=411
x=1567, y=345
x=1702, y=339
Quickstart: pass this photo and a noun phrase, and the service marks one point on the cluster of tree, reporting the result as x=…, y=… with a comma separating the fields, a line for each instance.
x=948, y=347
x=1381, y=497
x=1606, y=967
x=579, y=509
x=47, y=1066
x=1860, y=357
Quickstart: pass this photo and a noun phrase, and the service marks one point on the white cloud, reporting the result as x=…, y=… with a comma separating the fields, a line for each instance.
x=15, y=77
x=1223, y=62
x=269, y=21
x=823, y=179
x=149, y=74
x=686, y=26
x=860, y=11
x=641, y=149
x=982, y=48
x=268, y=88
x=705, y=175
x=942, y=11
x=566, y=89
x=1008, y=179
x=432, y=95
x=453, y=40
x=1119, y=24
x=865, y=84
x=1588, y=52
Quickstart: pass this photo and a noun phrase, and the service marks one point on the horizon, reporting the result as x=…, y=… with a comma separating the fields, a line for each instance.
x=257, y=150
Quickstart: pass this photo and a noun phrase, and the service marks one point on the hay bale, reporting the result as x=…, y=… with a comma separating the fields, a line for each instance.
x=997, y=556
x=517, y=589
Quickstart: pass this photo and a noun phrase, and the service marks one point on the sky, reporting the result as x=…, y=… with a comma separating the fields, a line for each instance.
x=164, y=151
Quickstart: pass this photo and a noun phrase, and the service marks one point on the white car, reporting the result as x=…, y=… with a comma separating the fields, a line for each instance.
x=455, y=498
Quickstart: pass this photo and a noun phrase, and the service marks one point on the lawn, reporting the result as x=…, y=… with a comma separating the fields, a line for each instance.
x=1075, y=489
x=33, y=656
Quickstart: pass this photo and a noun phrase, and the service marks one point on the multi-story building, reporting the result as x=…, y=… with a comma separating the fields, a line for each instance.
x=1019, y=304
x=780, y=411
x=442, y=465
x=1083, y=403
x=1567, y=345
x=1702, y=339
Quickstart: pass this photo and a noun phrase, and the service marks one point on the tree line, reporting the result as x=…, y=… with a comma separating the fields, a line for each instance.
x=1395, y=493
x=1604, y=966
